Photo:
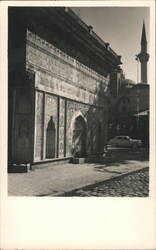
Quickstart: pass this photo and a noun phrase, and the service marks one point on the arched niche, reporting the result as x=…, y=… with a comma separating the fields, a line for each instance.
x=78, y=127
x=50, y=139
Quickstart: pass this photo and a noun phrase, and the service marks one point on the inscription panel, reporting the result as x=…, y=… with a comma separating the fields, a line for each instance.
x=45, y=57
x=62, y=88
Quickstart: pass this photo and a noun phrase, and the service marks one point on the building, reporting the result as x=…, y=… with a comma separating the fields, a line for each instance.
x=130, y=101
x=59, y=72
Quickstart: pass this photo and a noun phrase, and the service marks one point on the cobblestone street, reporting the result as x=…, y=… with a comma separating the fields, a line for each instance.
x=132, y=185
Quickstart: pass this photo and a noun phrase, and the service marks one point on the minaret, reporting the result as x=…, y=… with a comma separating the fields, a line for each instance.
x=143, y=56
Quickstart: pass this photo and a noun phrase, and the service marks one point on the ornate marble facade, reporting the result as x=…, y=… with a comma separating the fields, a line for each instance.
x=68, y=92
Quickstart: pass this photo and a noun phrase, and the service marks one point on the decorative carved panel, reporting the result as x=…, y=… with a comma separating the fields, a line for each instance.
x=39, y=126
x=64, y=76
x=61, y=127
x=51, y=110
x=72, y=108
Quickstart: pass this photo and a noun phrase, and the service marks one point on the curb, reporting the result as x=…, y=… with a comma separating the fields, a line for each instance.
x=66, y=193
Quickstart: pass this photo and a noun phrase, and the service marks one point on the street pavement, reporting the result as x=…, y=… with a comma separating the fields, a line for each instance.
x=57, y=180
x=135, y=184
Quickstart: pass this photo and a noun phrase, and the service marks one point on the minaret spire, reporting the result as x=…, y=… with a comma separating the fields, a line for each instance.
x=143, y=55
x=143, y=37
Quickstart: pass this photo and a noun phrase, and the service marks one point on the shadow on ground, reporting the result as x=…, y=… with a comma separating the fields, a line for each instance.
x=116, y=157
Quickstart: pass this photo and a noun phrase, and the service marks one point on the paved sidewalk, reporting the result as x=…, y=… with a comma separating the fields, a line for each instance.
x=58, y=179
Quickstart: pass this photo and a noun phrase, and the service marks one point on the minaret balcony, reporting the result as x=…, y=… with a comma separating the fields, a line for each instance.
x=143, y=57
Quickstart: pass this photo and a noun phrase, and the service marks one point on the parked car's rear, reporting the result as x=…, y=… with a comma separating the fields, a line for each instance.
x=124, y=141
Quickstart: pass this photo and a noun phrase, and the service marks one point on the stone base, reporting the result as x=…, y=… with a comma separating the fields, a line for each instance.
x=90, y=159
x=79, y=160
x=50, y=162
x=19, y=168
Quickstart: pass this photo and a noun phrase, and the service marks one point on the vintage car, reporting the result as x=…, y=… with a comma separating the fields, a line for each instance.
x=124, y=141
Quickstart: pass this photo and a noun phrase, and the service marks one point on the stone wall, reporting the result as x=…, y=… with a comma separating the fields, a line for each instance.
x=58, y=99
x=64, y=111
x=62, y=128
x=139, y=98
x=61, y=74
x=39, y=123
x=23, y=122
x=65, y=89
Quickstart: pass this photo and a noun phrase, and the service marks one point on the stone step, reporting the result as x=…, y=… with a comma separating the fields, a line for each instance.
x=19, y=168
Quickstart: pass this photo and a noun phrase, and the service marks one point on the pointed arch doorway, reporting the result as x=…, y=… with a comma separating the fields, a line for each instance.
x=79, y=136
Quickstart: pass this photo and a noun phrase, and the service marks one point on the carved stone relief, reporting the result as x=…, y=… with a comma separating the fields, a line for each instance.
x=50, y=139
x=39, y=126
x=61, y=127
x=44, y=56
x=51, y=112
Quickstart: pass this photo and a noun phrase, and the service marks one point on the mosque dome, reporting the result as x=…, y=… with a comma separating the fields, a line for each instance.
x=141, y=85
x=128, y=83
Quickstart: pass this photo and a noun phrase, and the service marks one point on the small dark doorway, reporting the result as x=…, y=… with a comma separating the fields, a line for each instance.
x=50, y=139
x=79, y=137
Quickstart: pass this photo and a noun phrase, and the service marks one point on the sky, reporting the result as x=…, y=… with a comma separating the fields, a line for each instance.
x=122, y=28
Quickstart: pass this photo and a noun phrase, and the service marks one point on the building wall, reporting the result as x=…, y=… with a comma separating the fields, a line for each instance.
x=130, y=101
x=64, y=111
x=64, y=90
x=21, y=127
x=139, y=97
x=58, y=101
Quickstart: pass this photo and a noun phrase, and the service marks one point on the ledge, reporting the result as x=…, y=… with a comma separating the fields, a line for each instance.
x=50, y=162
